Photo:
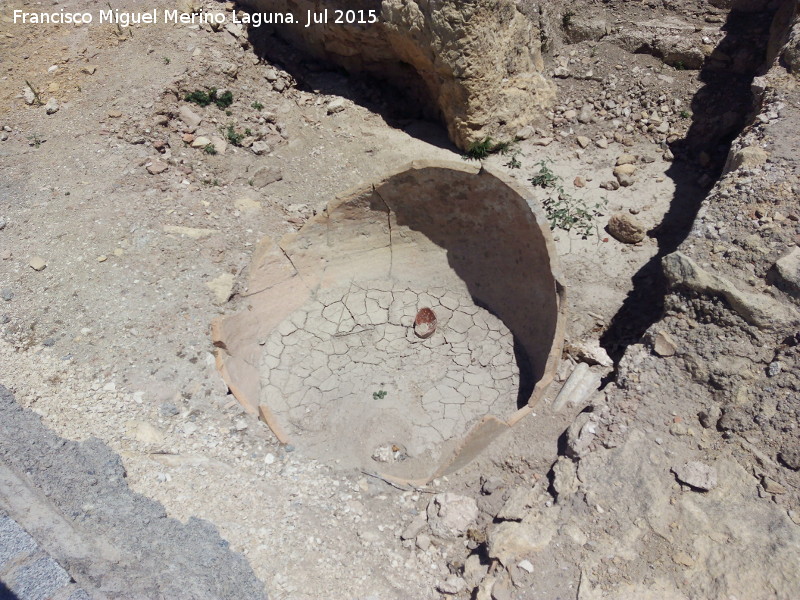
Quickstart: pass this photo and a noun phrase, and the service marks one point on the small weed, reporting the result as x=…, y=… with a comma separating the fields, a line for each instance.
x=204, y=98
x=479, y=150
x=257, y=105
x=679, y=66
x=485, y=147
x=166, y=60
x=566, y=19
x=209, y=149
x=563, y=210
x=379, y=395
x=36, y=140
x=545, y=178
x=233, y=137
x=212, y=182
x=568, y=213
x=248, y=131
x=514, y=162
x=685, y=114
x=228, y=113
x=224, y=100
x=201, y=98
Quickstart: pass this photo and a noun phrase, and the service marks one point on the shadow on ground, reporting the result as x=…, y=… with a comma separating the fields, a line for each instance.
x=410, y=108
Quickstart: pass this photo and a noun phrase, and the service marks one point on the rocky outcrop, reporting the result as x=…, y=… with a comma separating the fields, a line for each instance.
x=476, y=64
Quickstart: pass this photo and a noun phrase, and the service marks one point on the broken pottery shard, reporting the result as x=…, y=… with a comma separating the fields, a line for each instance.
x=425, y=323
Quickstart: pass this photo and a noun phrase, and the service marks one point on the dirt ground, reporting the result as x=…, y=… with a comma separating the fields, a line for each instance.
x=122, y=238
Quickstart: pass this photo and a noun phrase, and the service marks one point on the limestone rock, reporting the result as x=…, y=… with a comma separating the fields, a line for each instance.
x=624, y=174
x=582, y=28
x=37, y=263
x=591, y=352
x=633, y=481
x=511, y=540
x=452, y=585
x=790, y=457
x=748, y=157
x=791, y=52
x=787, y=271
x=220, y=145
x=52, y=106
x=260, y=147
x=757, y=309
x=414, y=528
x=519, y=503
x=565, y=479
x=144, y=432
x=194, y=233
x=580, y=435
x=221, y=287
x=474, y=570
x=336, y=105
x=772, y=487
x=697, y=474
x=610, y=185
x=664, y=345
x=625, y=228
x=190, y=118
x=247, y=204
x=450, y=515
x=266, y=175
x=189, y=6
x=499, y=90
x=157, y=167
x=525, y=133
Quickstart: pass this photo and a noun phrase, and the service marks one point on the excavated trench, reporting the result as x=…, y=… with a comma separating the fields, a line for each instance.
x=721, y=109
x=409, y=324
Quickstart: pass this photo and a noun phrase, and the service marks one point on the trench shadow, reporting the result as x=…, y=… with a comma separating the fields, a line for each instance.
x=7, y=594
x=721, y=109
x=409, y=109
